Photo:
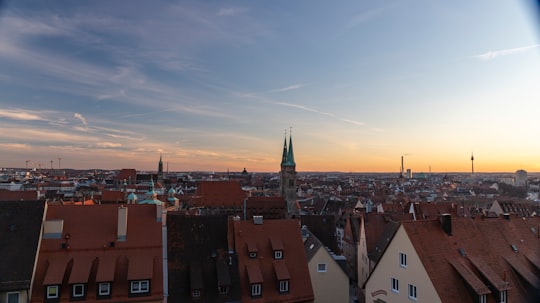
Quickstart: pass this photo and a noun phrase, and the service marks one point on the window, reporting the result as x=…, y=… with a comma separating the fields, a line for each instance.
x=395, y=285
x=104, y=289
x=52, y=292
x=402, y=260
x=223, y=290
x=321, y=267
x=13, y=297
x=252, y=255
x=278, y=254
x=138, y=287
x=482, y=299
x=77, y=290
x=412, y=292
x=196, y=293
x=502, y=296
x=256, y=290
x=284, y=286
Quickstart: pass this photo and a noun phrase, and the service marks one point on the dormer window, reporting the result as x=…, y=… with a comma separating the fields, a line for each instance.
x=284, y=286
x=256, y=290
x=223, y=290
x=502, y=296
x=140, y=287
x=53, y=292
x=104, y=289
x=77, y=291
x=277, y=247
x=196, y=293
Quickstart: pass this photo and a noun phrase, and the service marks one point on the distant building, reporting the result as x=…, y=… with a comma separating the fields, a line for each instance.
x=520, y=178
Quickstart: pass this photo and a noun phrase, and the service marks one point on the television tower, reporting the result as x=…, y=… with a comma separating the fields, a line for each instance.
x=472, y=164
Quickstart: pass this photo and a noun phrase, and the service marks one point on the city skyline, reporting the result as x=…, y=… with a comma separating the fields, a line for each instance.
x=215, y=86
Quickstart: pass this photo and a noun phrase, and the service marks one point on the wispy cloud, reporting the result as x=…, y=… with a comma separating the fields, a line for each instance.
x=18, y=114
x=506, y=52
x=14, y=146
x=287, y=88
x=80, y=117
x=308, y=109
x=108, y=145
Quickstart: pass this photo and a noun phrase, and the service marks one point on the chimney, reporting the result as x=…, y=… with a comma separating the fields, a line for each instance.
x=258, y=220
x=122, y=223
x=446, y=222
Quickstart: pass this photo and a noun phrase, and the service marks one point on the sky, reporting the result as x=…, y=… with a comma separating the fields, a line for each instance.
x=217, y=85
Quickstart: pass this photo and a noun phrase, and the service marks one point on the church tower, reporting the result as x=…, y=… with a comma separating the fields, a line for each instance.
x=160, y=175
x=288, y=178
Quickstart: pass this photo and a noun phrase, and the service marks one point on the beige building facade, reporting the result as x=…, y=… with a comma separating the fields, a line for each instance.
x=329, y=281
x=400, y=275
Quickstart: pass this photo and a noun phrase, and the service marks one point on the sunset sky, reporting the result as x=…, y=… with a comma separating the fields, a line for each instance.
x=213, y=85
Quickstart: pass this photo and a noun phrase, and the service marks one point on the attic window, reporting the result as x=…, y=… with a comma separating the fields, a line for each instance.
x=256, y=290
x=253, y=255
x=52, y=292
x=462, y=252
x=196, y=293
x=278, y=254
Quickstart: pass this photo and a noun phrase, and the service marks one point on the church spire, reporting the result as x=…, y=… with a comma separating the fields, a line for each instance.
x=284, y=157
x=160, y=169
x=290, y=154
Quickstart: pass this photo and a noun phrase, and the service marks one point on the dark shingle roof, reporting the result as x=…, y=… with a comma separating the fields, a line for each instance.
x=20, y=227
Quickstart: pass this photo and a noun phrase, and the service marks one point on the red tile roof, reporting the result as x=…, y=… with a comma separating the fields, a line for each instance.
x=264, y=269
x=18, y=195
x=92, y=238
x=219, y=194
x=483, y=247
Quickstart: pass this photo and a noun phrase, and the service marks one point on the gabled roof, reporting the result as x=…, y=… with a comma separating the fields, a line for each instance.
x=495, y=251
x=86, y=249
x=219, y=194
x=292, y=266
x=127, y=174
x=20, y=228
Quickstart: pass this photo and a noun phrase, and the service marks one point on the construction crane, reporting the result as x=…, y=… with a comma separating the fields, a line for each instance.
x=59, y=159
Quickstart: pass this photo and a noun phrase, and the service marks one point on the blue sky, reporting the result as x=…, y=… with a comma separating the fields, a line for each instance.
x=213, y=85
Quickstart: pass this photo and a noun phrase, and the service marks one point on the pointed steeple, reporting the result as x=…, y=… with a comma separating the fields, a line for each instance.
x=290, y=154
x=284, y=157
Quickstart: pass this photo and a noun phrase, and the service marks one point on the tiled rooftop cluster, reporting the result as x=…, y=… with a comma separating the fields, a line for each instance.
x=128, y=236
